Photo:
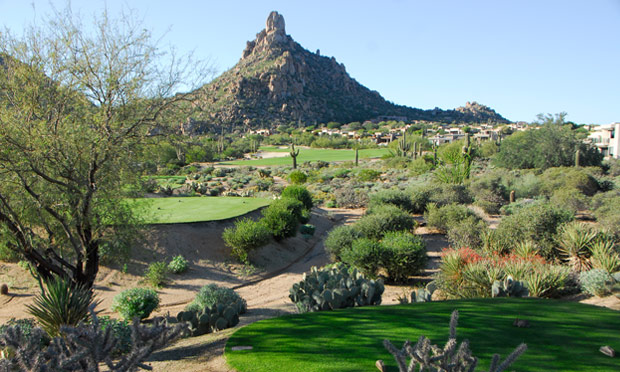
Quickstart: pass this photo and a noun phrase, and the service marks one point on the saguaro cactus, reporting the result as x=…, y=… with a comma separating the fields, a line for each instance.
x=577, y=157
x=403, y=145
x=357, y=156
x=294, y=154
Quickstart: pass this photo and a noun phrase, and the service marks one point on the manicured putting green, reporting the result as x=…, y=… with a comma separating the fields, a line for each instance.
x=195, y=209
x=311, y=154
x=564, y=336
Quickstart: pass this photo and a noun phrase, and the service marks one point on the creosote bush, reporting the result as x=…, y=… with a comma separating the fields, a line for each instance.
x=442, y=218
x=156, y=274
x=297, y=177
x=403, y=255
x=213, y=294
x=178, y=265
x=299, y=193
x=245, y=236
x=396, y=197
x=382, y=219
x=339, y=239
x=136, y=303
x=282, y=217
x=364, y=254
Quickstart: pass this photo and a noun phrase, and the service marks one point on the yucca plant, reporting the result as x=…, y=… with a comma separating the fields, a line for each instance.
x=61, y=303
x=575, y=240
x=525, y=249
x=605, y=256
x=493, y=242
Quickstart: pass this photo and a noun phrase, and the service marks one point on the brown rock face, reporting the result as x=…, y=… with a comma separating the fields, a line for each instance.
x=277, y=81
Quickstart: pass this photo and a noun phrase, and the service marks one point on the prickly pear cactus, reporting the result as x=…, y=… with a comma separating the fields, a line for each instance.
x=335, y=287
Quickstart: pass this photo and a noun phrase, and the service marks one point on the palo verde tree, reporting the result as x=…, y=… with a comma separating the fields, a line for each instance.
x=74, y=105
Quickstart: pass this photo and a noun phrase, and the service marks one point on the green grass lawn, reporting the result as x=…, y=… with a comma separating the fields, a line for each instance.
x=564, y=336
x=311, y=154
x=195, y=209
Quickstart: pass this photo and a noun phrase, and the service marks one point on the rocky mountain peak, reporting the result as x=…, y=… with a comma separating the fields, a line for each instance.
x=272, y=37
x=275, y=23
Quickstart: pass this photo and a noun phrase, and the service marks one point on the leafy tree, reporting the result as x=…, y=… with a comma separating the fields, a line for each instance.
x=553, y=144
x=74, y=106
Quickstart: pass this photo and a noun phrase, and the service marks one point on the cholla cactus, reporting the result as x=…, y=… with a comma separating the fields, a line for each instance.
x=85, y=347
x=452, y=358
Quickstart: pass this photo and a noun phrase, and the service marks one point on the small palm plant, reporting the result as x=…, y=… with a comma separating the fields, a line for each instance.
x=61, y=303
x=575, y=240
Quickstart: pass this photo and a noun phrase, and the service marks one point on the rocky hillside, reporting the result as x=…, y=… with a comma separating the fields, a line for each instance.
x=277, y=81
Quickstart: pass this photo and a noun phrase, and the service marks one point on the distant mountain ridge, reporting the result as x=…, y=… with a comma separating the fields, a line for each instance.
x=277, y=81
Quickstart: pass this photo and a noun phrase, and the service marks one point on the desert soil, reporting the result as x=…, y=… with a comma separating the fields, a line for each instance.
x=265, y=285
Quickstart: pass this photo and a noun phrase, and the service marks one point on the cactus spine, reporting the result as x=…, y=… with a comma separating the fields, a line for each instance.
x=294, y=154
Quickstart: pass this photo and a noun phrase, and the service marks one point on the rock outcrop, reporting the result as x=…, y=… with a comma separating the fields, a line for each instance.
x=277, y=81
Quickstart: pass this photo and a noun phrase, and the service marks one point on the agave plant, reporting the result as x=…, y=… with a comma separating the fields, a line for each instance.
x=61, y=303
x=575, y=240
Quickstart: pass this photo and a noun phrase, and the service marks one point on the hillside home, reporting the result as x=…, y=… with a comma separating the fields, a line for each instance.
x=606, y=138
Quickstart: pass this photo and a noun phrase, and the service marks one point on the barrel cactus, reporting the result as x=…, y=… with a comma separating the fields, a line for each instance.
x=335, y=287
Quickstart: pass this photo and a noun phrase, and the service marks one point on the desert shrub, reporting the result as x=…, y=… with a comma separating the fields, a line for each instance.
x=335, y=287
x=570, y=199
x=368, y=175
x=245, y=236
x=282, y=217
x=178, y=265
x=596, y=282
x=444, y=194
x=420, y=196
x=299, y=193
x=466, y=232
x=348, y=196
x=404, y=255
x=340, y=238
x=136, y=302
x=606, y=211
x=442, y=218
x=527, y=185
x=307, y=229
x=364, y=254
x=297, y=177
x=396, y=197
x=421, y=166
x=568, y=178
x=384, y=218
x=7, y=254
x=156, y=274
x=575, y=240
x=213, y=294
x=537, y=222
x=62, y=303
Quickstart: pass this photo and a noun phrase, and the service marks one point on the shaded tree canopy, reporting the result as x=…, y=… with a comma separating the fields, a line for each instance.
x=74, y=106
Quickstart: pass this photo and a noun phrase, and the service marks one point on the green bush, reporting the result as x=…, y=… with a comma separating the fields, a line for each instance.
x=156, y=274
x=364, y=254
x=554, y=179
x=368, y=175
x=382, y=219
x=340, y=238
x=444, y=194
x=282, y=217
x=466, y=232
x=178, y=265
x=245, y=236
x=136, y=302
x=297, y=177
x=442, y=218
x=213, y=294
x=395, y=197
x=8, y=255
x=538, y=222
x=299, y=193
x=606, y=211
x=570, y=199
x=420, y=196
x=404, y=255
x=61, y=303
x=596, y=282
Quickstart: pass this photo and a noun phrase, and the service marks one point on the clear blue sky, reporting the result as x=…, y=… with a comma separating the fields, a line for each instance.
x=520, y=57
